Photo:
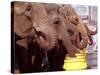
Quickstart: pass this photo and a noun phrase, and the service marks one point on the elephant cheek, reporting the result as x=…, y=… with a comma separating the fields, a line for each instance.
x=43, y=42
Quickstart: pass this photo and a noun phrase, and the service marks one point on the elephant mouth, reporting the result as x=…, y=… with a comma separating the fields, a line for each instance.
x=90, y=41
x=81, y=43
x=80, y=37
x=42, y=39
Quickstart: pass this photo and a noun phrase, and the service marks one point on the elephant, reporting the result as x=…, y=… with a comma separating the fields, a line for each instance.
x=69, y=13
x=30, y=25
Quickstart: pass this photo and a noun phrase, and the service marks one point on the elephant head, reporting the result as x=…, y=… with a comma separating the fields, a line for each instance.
x=22, y=24
x=66, y=32
x=69, y=13
x=46, y=35
x=31, y=21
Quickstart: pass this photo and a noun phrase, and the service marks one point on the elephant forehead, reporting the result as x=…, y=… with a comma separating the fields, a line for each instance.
x=41, y=23
x=41, y=27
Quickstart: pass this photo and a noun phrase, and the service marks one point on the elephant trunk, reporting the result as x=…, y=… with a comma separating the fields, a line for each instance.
x=83, y=34
x=66, y=39
x=69, y=46
x=47, y=38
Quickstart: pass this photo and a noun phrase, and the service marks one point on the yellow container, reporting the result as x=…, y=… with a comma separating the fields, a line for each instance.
x=76, y=63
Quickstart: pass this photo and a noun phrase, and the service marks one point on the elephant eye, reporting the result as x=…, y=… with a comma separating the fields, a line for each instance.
x=57, y=21
x=71, y=32
x=75, y=22
x=29, y=8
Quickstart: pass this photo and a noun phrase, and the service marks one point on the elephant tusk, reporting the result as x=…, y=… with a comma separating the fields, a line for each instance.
x=84, y=42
